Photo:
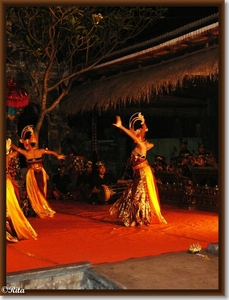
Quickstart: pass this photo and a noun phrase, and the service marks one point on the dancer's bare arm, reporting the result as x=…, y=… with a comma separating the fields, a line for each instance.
x=118, y=124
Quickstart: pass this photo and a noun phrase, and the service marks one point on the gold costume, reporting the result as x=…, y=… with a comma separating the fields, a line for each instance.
x=139, y=203
x=16, y=222
x=36, y=187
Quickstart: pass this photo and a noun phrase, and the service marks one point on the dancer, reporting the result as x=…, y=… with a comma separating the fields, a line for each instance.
x=36, y=176
x=17, y=225
x=139, y=203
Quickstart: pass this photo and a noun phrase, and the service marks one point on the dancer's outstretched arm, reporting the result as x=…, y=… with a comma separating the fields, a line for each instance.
x=140, y=143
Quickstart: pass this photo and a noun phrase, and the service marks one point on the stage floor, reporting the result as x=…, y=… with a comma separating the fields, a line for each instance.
x=83, y=232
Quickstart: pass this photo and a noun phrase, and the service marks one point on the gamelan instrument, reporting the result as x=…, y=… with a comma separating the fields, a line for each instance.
x=110, y=192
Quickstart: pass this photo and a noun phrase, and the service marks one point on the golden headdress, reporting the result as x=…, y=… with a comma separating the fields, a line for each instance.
x=141, y=128
x=28, y=135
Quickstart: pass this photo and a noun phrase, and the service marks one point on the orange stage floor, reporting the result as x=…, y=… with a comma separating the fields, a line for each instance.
x=83, y=232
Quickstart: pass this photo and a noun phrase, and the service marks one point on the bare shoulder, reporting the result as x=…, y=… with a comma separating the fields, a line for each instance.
x=149, y=145
x=40, y=151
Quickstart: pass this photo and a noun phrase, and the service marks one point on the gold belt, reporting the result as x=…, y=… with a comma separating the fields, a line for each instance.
x=36, y=166
x=144, y=163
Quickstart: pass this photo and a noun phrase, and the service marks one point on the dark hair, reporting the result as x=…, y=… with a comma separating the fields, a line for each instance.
x=27, y=135
x=137, y=124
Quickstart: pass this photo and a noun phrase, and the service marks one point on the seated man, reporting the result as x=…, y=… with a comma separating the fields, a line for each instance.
x=102, y=177
x=209, y=160
x=183, y=147
x=186, y=167
x=62, y=185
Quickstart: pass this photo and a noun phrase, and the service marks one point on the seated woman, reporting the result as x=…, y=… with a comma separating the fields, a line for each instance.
x=17, y=225
x=36, y=176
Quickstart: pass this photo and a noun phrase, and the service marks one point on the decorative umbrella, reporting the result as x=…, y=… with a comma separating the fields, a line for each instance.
x=16, y=97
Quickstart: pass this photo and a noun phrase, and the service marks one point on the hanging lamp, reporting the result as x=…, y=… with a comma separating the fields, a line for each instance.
x=16, y=98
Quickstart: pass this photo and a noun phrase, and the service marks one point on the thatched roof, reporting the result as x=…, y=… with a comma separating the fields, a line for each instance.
x=138, y=85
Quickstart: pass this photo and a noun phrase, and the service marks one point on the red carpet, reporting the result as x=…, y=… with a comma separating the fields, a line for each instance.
x=82, y=232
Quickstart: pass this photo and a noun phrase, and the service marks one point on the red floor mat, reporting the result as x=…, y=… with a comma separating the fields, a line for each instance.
x=82, y=232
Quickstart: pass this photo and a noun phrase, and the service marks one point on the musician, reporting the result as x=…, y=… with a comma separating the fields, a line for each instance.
x=101, y=177
x=201, y=149
x=159, y=164
x=186, y=167
x=86, y=176
x=84, y=181
x=204, y=157
x=172, y=166
x=184, y=147
x=62, y=184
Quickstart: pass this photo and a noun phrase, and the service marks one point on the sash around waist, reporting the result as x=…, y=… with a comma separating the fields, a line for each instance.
x=35, y=166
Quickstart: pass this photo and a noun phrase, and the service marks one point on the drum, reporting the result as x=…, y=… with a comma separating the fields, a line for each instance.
x=105, y=194
x=110, y=192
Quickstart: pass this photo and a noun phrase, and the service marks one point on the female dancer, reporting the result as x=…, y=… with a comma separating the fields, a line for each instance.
x=17, y=225
x=36, y=176
x=139, y=203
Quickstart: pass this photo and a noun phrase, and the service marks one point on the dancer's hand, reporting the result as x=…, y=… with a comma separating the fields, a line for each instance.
x=118, y=122
x=61, y=156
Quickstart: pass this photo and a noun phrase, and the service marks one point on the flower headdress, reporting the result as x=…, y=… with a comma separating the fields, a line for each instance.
x=88, y=163
x=100, y=163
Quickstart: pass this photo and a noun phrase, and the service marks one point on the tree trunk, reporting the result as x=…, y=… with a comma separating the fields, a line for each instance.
x=39, y=122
